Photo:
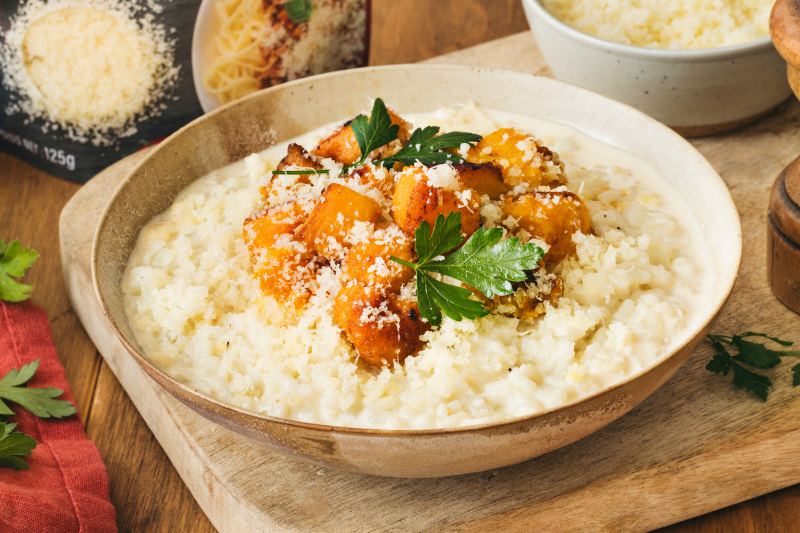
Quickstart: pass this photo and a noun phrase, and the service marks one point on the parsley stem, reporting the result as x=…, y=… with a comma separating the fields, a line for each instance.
x=404, y=263
x=727, y=339
x=298, y=172
x=344, y=170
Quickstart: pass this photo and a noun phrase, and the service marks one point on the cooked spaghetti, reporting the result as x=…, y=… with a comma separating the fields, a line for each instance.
x=260, y=45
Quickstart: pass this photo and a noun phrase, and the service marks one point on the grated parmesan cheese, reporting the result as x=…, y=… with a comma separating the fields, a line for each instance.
x=678, y=24
x=442, y=177
x=90, y=68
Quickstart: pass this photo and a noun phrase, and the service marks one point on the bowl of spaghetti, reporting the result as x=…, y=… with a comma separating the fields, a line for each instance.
x=242, y=46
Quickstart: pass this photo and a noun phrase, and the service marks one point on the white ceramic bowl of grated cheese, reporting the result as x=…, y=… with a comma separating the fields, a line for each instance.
x=695, y=91
x=323, y=433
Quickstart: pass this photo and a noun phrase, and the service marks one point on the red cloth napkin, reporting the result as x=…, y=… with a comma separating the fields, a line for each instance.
x=66, y=488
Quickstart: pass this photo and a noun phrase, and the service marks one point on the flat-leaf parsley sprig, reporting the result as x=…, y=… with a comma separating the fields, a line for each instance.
x=751, y=354
x=14, y=261
x=39, y=401
x=423, y=146
x=14, y=446
x=481, y=262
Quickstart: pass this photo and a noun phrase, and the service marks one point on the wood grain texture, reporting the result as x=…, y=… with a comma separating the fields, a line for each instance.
x=407, y=31
x=783, y=237
x=783, y=205
x=30, y=202
x=783, y=266
x=695, y=445
x=784, y=27
x=156, y=498
x=153, y=498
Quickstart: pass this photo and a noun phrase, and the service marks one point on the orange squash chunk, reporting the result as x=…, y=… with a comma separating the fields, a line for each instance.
x=283, y=265
x=521, y=158
x=485, y=178
x=333, y=217
x=552, y=217
x=297, y=157
x=375, y=177
x=342, y=146
x=369, y=265
x=416, y=201
x=383, y=329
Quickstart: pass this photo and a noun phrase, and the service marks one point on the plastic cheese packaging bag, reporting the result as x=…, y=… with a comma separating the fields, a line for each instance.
x=88, y=82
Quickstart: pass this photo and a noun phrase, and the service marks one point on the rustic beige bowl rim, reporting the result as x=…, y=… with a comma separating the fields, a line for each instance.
x=689, y=55
x=183, y=392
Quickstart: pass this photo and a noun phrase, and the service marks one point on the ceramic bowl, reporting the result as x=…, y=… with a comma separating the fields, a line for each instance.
x=255, y=122
x=696, y=92
x=204, y=51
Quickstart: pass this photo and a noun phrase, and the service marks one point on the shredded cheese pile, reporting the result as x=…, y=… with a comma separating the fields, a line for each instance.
x=678, y=24
x=89, y=68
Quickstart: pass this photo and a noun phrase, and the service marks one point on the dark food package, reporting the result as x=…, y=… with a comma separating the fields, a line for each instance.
x=88, y=82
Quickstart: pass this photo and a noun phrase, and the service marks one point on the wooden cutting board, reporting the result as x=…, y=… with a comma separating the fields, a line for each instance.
x=696, y=445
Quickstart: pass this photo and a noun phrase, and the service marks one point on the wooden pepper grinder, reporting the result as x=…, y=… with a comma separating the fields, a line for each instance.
x=783, y=219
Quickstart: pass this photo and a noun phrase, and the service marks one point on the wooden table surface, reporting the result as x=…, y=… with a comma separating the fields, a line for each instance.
x=146, y=491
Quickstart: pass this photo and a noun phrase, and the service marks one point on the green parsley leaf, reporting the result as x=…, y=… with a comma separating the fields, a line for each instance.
x=751, y=354
x=756, y=383
x=773, y=339
x=375, y=131
x=453, y=139
x=445, y=236
x=39, y=401
x=433, y=295
x=480, y=262
x=488, y=266
x=299, y=10
x=424, y=148
x=720, y=364
x=427, y=306
x=754, y=354
x=14, y=446
x=14, y=261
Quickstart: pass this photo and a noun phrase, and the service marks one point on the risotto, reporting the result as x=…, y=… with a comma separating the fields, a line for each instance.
x=630, y=288
x=677, y=25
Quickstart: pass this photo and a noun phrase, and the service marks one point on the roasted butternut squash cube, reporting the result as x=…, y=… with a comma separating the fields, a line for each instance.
x=552, y=217
x=485, y=178
x=342, y=145
x=416, y=200
x=384, y=329
x=404, y=133
x=296, y=157
x=521, y=157
x=333, y=217
x=373, y=176
x=284, y=266
x=369, y=265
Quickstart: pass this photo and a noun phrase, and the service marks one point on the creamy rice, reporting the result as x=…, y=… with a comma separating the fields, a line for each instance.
x=631, y=290
x=677, y=24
